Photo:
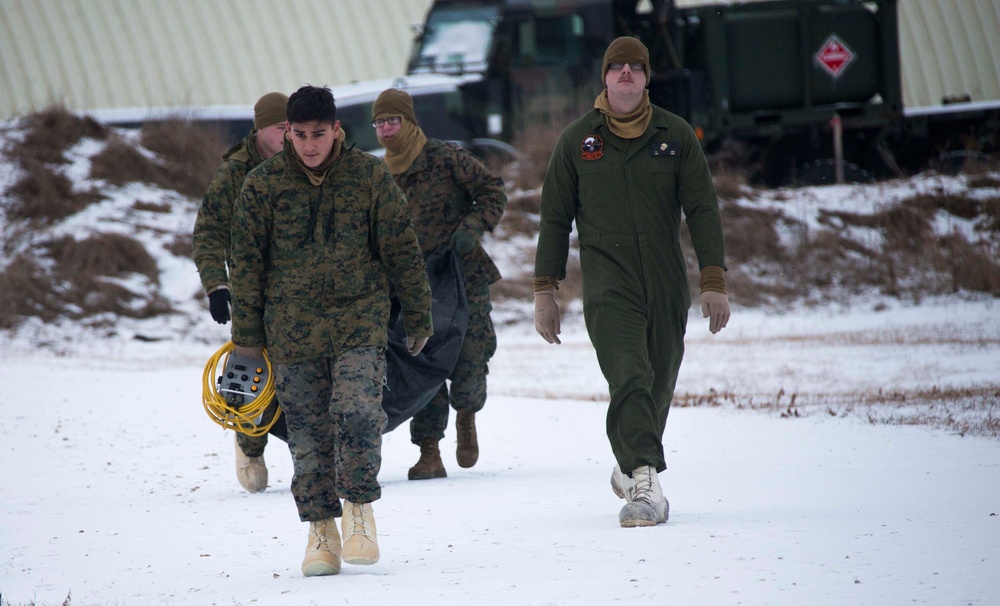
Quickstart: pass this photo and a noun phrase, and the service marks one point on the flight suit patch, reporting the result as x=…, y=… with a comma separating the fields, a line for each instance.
x=592, y=148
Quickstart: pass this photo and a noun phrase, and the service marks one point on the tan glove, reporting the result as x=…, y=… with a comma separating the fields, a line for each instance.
x=415, y=344
x=715, y=307
x=249, y=352
x=547, y=315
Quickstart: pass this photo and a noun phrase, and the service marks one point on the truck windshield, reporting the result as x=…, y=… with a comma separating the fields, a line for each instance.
x=456, y=39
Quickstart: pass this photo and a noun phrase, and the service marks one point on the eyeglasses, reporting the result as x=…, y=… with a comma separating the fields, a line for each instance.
x=636, y=67
x=392, y=120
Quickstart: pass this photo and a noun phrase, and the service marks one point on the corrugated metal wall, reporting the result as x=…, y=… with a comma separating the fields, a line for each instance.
x=949, y=48
x=96, y=54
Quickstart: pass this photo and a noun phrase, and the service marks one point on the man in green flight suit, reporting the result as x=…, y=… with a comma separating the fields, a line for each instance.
x=624, y=172
x=211, y=250
x=319, y=231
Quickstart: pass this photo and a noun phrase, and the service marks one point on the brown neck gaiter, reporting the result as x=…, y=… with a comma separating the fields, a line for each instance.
x=316, y=175
x=402, y=149
x=626, y=126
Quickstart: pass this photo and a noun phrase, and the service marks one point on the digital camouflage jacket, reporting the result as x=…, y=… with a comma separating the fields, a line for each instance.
x=211, y=228
x=311, y=265
x=447, y=189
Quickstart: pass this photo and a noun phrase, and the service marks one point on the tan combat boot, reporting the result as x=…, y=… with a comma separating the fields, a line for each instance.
x=360, y=542
x=430, y=465
x=250, y=471
x=323, y=549
x=467, y=452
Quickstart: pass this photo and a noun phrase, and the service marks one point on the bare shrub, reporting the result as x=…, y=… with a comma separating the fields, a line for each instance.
x=113, y=255
x=525, y=202
x=535, y=143
x=987, y=181
x=521, y=287
x=53, y=131
x=516, y=288
x=539, y=125
x=187, y=156
x=181, y=246
x=151, y=207
x=29, y=291
x=730, y=183
x=957, y=205
x=517, y=223
x=902, y=226
x=991, y=210
x=750, y=233
x=120, y=163
x=972, y=267
x=89, y=268
x=191, y=152
x=44, y=196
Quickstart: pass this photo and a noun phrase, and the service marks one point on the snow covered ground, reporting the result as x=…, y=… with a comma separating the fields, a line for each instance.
x=116, y=488
x=839, y=454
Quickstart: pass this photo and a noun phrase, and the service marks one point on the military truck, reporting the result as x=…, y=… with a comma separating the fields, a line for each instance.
x=790, y=90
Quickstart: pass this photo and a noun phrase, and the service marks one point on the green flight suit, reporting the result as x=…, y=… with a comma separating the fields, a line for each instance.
x=626, y=197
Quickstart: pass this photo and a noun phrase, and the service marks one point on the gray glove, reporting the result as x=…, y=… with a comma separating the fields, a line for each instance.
x=547, y=315
x=715, y=307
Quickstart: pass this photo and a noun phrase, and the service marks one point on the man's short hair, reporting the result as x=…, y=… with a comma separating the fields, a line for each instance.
x=311, y=104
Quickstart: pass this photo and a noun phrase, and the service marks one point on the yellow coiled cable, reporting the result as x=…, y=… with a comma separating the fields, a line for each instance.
x=219, y=410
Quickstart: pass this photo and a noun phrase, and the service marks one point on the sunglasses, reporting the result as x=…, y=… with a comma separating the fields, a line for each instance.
x=636, y=67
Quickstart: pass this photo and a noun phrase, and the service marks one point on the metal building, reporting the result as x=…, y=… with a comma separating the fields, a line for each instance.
x=114, y=55
x=119, y=54
x=949, y=51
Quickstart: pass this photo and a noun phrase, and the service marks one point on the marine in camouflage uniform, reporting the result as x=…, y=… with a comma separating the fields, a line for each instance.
x=318, y=233
x=453, y=198
x=212, y=247
x=624, y=173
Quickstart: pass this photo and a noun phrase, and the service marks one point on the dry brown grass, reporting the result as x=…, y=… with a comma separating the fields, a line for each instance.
x=53, y=131
x=151, y=207
x=28, y=292
x=973, y=410
x=181, y=246
x=85, y=266
x=991, y=210
x=751, y=233
x=42, y=196
x=190, y=152
x=112, y=255
x=120, y=163
x=187, y=156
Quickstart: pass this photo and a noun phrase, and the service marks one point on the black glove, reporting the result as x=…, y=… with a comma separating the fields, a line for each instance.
x=462, y=241
x=218, y=304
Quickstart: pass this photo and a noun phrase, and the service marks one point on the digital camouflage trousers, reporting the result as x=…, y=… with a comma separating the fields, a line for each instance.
x=333, y=408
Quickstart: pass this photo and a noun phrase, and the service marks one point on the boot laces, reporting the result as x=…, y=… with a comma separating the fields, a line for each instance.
x=322, y=539
x=465, y=421
x=643, y=489
x=357, y=520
